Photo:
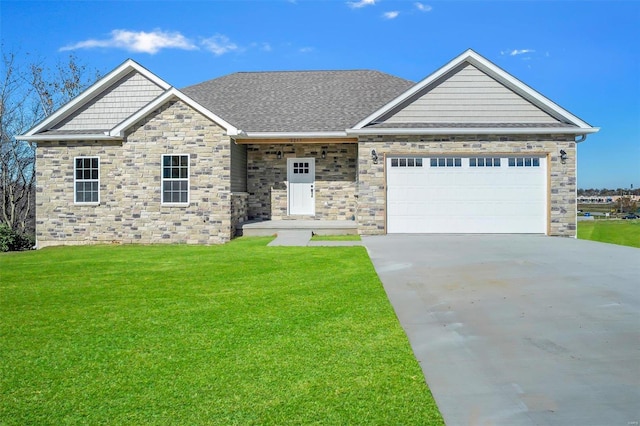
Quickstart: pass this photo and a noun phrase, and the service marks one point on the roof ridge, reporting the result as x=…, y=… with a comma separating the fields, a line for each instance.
x=323, y=70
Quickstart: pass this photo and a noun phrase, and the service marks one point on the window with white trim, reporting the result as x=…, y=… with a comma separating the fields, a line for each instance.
x=406, y=162
x=175, y=179
x=484, y=162
x=446, y=162
x=86, y=177
x=524, y=162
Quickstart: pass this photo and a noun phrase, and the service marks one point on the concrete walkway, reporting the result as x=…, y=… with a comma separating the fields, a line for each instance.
x=292, y=238
x=303, y=238
x=519, y=330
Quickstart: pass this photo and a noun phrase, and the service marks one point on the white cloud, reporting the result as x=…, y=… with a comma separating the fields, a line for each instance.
x=516, y=52
x=138, y=41
x=219, y=44
x=361, y=3
x=423, y=7
x=306, y=50
x=391, y=15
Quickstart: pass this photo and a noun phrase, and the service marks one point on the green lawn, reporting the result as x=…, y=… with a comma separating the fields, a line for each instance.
x=621, y=232
x=235, y=334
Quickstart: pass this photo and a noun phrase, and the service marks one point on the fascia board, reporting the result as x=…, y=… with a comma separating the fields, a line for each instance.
x=290, y=135
x=119, y=130
x=75, y=137
x=77, y=102
x=493, y=70
x=475, y=131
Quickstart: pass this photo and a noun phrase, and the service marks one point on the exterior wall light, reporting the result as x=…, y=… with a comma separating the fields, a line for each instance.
x=563, y=156
x=279, y=154
x=374, y=156
x=324, y=154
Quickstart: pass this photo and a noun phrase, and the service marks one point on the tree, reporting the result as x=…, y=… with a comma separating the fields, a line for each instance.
x=626, y=204
x=29, y=92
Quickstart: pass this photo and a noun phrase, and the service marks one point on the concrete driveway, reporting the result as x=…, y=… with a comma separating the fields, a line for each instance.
x=519, y=330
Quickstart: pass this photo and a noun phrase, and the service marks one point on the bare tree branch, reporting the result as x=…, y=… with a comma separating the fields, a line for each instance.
x=28, y=93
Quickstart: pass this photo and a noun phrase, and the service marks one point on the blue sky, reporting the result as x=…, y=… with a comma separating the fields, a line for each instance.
x=583, y=55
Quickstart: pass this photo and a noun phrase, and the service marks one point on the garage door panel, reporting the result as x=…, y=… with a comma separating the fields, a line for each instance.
x=467, y=199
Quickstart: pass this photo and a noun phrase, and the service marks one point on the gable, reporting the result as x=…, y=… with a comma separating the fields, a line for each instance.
x=117, y=102
x=467, y=95
x=471, y=95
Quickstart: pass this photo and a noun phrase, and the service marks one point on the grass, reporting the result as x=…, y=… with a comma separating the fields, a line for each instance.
x=336, y=238
x=240, y=334
x=621, y=232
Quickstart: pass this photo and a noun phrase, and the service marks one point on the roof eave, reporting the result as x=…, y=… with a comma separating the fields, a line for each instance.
x=290, y=135
x=74, y=137
x=474, y=131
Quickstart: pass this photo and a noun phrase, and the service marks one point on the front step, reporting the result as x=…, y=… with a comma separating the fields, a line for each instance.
x=317, y=227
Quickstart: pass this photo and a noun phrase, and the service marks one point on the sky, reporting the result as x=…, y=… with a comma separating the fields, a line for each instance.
x=583, y=55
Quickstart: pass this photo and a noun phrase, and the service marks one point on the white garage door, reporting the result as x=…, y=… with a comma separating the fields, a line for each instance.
x=466, y=195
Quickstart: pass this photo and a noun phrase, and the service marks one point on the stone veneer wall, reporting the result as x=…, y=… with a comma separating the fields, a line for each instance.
x=335, y=187
x=130, y=208
x=562, y=177
x=279, y=204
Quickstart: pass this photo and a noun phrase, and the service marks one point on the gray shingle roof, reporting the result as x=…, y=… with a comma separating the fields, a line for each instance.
x=297, y=101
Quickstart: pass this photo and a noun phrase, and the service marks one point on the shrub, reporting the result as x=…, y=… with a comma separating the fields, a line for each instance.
x=11, y=240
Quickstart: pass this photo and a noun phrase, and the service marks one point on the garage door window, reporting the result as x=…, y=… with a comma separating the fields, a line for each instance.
x=446, y=162
x=484, y=162
x=524, y=162
x=406, y=162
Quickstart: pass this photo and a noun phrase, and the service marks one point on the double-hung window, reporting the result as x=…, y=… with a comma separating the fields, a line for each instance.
x=86, y=180
x=175, y=179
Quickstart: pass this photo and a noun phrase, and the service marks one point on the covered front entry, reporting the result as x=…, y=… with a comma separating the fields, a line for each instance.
x=301, y=175
x=450, y=194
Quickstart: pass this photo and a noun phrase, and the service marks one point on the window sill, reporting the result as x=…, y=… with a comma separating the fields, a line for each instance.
x=86, y=204
x=175, y=204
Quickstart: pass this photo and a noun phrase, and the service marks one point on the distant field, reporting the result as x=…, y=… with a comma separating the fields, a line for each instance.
x=621, y=232
x=599, y=208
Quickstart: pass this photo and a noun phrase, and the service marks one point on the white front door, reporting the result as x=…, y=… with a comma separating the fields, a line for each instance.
x=301, y=174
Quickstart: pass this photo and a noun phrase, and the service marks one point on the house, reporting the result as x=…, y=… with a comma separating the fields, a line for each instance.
x=469, y=149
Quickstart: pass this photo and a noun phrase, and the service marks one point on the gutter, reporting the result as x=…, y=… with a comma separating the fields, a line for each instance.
x=98, y=137
x=475, y=131
x=289, y=135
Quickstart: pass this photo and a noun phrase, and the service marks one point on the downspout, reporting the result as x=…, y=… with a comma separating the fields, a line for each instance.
x=582, y=138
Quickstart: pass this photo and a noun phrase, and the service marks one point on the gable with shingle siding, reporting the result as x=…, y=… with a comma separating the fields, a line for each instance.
x=469, y=96
x=125, y=97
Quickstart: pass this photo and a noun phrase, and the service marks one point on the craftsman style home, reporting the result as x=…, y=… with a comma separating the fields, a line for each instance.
x=469, y=149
